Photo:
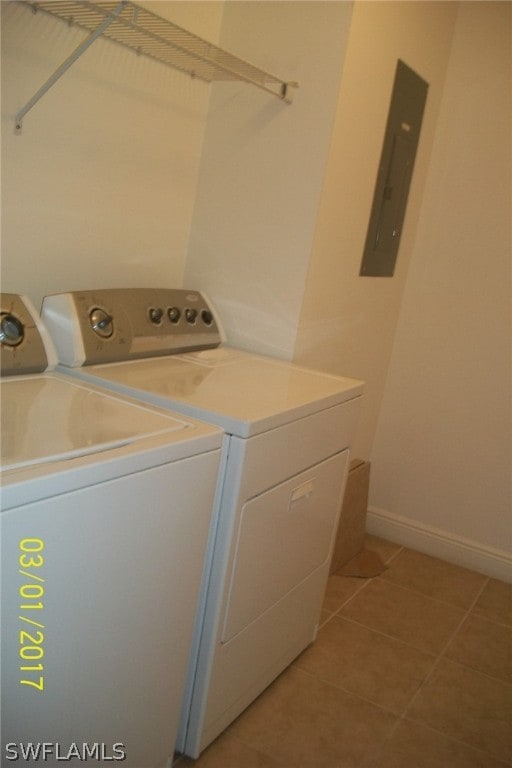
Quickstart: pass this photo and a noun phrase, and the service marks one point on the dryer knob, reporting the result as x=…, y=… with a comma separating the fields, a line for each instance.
x=11, y=330
x=191, y=316
x=101, y=322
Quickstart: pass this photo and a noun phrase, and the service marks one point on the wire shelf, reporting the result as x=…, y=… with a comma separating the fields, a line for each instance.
x=150, y=35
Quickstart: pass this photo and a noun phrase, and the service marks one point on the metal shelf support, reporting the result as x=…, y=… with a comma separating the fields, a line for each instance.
x=79, y=50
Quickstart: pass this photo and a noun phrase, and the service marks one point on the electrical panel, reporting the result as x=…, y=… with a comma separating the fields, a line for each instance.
x=395, y=173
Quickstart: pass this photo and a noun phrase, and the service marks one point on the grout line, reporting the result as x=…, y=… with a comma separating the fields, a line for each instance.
x=363, y=585
x=347, y=601
x=462, y=743
x=365, y=582
x=393, y=557
x=441, y=654
x=382, y=576
x=404, y=716
x=437, y=659
x=395, y=639
x=487, y=675
x=377, y=757
x=358, y=591
x=373, y=761
x=438, y=600
x=504, y=624
x=347, y=691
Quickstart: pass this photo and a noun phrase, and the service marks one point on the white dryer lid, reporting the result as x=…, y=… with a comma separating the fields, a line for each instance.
x=243, y=393
x=50, y=418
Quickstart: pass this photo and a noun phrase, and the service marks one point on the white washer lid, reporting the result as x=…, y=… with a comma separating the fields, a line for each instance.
x=49, y=418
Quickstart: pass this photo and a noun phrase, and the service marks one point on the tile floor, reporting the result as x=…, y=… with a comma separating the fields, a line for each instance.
x=411, y=669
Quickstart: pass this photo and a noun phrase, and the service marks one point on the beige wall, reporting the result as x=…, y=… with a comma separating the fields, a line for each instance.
x=262, y=169
x=347, y=322
x=442, y=461
x=98, y=190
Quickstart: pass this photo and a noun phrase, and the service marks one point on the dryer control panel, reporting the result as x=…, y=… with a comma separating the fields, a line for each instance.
x=109, y=325
x=24, y=344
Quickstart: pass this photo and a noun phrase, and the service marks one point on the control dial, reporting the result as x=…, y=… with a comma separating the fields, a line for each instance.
x=101, y=322
x=155, y=315
x=207, y=317
x=12, y=331
x=174, y=314
x=191, y=315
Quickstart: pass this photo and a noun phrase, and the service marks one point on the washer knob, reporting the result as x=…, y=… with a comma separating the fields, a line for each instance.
x=174, y=314
x=101, y=322
x=12, y=331
x=191, y=315
x=207, y=317
x=155, y=315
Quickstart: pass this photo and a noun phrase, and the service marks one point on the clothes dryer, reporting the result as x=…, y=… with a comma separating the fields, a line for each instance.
x=287, y=436
x=105, y=513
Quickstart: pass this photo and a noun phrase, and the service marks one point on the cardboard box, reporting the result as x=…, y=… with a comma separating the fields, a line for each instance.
x=352, y=524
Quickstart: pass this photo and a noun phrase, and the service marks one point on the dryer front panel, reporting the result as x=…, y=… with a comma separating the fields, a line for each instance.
x=285, y=534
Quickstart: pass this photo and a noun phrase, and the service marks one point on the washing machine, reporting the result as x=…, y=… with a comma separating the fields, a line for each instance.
x=287, y=434
x=106, y=508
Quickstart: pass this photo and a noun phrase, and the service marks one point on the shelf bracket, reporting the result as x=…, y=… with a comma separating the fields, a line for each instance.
x=79, y=50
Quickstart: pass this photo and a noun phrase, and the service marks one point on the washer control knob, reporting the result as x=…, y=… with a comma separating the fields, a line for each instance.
x=191, y=315
x=174, y=314
x=207, y=317
x=101, y=323
x=11, y=330
x=155, y=315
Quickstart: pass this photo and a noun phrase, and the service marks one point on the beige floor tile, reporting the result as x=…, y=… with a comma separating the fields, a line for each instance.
x=380, y=669
x=467, y=706
x=303, y=722
x=228, y=752
x=414, y=746
x=339, y=590
x=385, y=549
x=435, y=578
x=425, y=623
x=484, y=646
x=495, y=602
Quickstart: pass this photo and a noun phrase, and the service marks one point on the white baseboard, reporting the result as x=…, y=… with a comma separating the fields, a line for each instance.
x=437, y=543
